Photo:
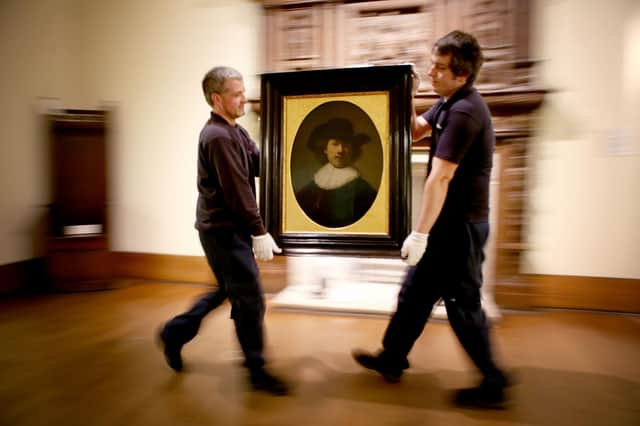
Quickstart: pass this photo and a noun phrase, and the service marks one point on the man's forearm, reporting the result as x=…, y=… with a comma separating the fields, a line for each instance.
x=433, y=196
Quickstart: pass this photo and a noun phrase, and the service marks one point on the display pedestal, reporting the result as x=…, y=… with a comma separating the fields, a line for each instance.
x=352, y=285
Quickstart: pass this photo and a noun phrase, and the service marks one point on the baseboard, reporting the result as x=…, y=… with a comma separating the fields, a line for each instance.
x=543, y=291
x=189, y=269
x=23, y=277
x=10, y=279
x=594, y=293
x=162, y=267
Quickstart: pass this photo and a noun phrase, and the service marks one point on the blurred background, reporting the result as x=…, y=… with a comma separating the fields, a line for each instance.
x=100, y=111
x=575, y=65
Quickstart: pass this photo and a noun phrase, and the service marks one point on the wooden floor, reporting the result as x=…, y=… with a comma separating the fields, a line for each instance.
x=90, y=359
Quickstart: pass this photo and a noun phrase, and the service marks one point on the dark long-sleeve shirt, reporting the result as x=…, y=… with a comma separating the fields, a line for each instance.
x=228, y=162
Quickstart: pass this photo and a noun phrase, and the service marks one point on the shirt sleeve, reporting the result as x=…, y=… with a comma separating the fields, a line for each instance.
x=457, y=136
x=429, y=115
x=231, y=164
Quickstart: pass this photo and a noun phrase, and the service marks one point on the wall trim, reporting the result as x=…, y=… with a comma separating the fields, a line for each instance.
x=10, y=278
x=594, y=293
x=189, y=269
x=23, y=276
x=543, y=291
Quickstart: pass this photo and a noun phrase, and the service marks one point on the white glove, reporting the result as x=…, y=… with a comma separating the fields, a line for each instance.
x=414, y=247
x=264, y=246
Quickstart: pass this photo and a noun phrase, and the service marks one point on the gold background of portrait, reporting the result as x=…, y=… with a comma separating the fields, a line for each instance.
x=296, y=108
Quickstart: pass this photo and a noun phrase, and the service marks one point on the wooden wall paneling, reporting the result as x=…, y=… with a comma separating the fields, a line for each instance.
x=328, y=36
x=510, y=284
x=492, y=23
x=11, y=279
x=522, y=19
x=440, y=24
x=395, y=31
x=78, y=238
x=189, y=269
x=544, y=291
x=595, y=293
x=388, y=32
x=270, y=44
x=341, y=25
x=299, y=36
x=454, y=16
x=162, y=267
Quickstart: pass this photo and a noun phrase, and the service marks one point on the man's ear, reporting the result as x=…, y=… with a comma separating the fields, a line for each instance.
x=462, y=78
x=213, y=97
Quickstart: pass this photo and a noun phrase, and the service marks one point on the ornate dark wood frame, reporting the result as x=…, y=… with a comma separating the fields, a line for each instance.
x=392, y=79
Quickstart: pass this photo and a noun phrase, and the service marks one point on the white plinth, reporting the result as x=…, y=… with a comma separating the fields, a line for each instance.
x=351, y=285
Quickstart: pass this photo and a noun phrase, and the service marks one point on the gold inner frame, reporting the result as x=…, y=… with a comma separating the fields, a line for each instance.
x=296, y=108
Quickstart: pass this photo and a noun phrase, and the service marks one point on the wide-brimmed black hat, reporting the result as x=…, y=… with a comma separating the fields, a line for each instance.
x=335, y=128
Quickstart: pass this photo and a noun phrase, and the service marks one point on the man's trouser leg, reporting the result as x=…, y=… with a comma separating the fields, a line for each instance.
x=417, y=296
x=231, y=257
x=464, y=309
x=185, y=326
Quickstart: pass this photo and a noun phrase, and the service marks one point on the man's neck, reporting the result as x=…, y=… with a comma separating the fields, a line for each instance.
x=229, y=120
x=446, y=98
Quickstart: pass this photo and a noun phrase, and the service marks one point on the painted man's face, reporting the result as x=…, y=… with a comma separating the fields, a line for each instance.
x=338, y=153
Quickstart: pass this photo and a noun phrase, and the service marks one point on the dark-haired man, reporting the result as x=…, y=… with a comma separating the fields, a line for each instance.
x=453, y=220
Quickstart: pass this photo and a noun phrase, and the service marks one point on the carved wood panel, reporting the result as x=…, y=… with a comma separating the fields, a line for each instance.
x=388, y=32
x=304, y=34
x=334, y=33
x=299, y=37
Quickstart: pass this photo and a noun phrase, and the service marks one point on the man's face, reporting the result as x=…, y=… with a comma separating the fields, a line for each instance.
x=444, y=82
x=232, y=99
x=338, y=153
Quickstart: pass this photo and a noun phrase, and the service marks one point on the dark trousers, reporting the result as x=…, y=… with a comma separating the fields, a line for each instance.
x=451, y=269
x=230, y=257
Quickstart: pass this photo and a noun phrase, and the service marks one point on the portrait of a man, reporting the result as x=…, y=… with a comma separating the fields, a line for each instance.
x=337, y=158
x=337, y=195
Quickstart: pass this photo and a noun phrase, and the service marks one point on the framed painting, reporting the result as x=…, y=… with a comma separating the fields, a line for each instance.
x=336, y=151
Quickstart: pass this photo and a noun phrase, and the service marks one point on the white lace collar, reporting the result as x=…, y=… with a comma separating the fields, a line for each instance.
x=330, y=177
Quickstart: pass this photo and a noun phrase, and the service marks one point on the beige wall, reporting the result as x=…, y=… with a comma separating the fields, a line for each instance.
x=585, y=201
x=39, y=66
x=145, y=59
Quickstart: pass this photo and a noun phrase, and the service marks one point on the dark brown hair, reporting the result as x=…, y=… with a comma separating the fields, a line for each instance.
x=466, y=54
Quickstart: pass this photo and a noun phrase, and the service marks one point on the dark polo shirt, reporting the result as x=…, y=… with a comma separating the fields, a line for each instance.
x=228, y=162
x=462, y=133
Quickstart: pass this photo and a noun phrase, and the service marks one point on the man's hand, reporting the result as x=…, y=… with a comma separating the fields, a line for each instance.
x=414, y=247
x=415, y=81
x=264, y=246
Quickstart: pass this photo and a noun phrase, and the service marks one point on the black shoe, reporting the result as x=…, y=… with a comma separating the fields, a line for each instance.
x=482, y=396
x=374, y=362
x=262, y=380
x=171, y=351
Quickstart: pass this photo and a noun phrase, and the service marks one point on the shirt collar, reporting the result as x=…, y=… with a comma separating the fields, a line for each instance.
x=218, y=118
x=460, y=93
